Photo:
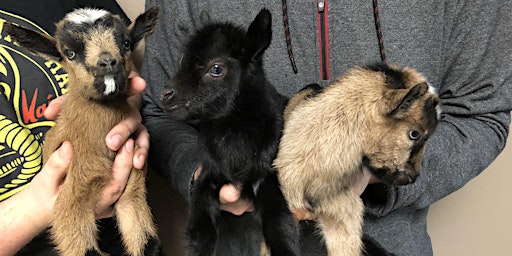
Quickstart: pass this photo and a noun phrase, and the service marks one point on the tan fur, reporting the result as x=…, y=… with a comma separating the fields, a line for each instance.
x=85, y=123
x=325, y=138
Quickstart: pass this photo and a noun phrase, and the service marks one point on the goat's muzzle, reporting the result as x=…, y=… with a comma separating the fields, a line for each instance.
x=108, y=64
x=393, y=175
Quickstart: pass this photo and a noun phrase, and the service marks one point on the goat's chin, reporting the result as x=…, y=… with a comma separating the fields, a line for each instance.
x=391, y=175
x=401, y=178
x=111, y=86
x=178, y=113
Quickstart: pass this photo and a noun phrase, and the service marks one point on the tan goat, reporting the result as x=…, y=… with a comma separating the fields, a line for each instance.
x=378, y=117
x=94, y=47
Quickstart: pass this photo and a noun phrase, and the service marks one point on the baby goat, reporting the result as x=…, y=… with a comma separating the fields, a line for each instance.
x=94, y=47
x=221, y=88
x=377, y=117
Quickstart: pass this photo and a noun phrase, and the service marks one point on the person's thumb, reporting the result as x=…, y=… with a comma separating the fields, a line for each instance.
x=229, y=193
x=57, y=164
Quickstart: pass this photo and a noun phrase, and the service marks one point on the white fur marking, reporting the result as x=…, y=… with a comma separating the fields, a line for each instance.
x=110, y=85
x=433, y=90
x=85, y=15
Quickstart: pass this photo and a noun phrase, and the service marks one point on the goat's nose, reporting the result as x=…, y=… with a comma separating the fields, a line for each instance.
x=168, y=94
x=107, y=62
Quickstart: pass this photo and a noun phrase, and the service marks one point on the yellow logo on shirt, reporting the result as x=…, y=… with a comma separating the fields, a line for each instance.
x=24, y=96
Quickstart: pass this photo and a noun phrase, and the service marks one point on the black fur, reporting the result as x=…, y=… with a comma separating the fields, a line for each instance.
x=314, y=89
x=26, y=37
x=221, y=89
x=141, y=25
x=394, y=78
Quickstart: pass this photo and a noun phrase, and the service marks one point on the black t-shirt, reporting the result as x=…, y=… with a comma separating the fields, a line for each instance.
x=27, y=84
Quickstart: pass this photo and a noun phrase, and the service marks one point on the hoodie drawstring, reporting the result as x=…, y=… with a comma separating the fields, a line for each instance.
x=288, y=37
x=380, y=37
x=378, y=29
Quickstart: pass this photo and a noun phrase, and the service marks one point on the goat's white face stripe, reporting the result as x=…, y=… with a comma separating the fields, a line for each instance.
x=87, y=15
x=110, y=85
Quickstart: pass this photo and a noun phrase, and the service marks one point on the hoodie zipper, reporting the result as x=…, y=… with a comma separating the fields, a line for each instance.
x=323, y=39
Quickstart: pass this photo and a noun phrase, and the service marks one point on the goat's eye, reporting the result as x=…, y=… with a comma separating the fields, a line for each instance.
x=414, y=135
x=216, y=70
x=70, y=54
x=127, y=44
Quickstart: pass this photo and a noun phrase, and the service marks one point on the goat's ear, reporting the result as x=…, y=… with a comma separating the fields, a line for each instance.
x=259, y=35
x=406, y=98
x=144, y=25
x=204, y=17
x=39, y=44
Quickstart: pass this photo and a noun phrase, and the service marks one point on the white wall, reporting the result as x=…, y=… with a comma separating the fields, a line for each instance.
x=477, y=219
x=132, y=8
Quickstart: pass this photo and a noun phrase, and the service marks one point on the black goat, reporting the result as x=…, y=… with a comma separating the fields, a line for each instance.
x=221, y=89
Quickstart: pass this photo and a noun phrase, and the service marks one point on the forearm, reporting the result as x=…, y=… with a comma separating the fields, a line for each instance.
x=22, y=219
x=173, y=153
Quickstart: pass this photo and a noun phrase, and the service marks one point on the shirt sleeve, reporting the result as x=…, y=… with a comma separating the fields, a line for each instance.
x=173, y=151
x=476, y=105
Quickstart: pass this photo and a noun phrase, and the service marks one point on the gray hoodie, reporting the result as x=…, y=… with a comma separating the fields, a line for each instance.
x=464, y=48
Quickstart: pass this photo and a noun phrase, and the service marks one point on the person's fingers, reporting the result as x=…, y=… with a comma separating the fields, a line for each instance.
x=123, y=130
x=229, y=197
x=53, y=108
x=198, y=172
x=239, y=207
x=136, y=84
x=55, y=169
x=141, y=136
x=121, y=170
x=46, y=185
x=229, y=193
x=361, y=184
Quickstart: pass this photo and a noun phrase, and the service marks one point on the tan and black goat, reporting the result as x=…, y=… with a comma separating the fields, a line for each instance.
x=377, y=117
x=95, y=48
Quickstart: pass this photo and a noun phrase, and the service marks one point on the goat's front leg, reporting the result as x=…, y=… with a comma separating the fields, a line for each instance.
x=201, y=232
x=279, y=228
x=340, y=220
x=134, y=216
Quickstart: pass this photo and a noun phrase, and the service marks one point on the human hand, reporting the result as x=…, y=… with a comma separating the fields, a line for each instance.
x=27, y=213
x=130, y=126
x=121, y=169
x=361, y=184
x=44, y=188
x=229, y=198
x=230, y=201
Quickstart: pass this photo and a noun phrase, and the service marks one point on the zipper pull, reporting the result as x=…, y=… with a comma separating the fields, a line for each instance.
x=320, y=5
